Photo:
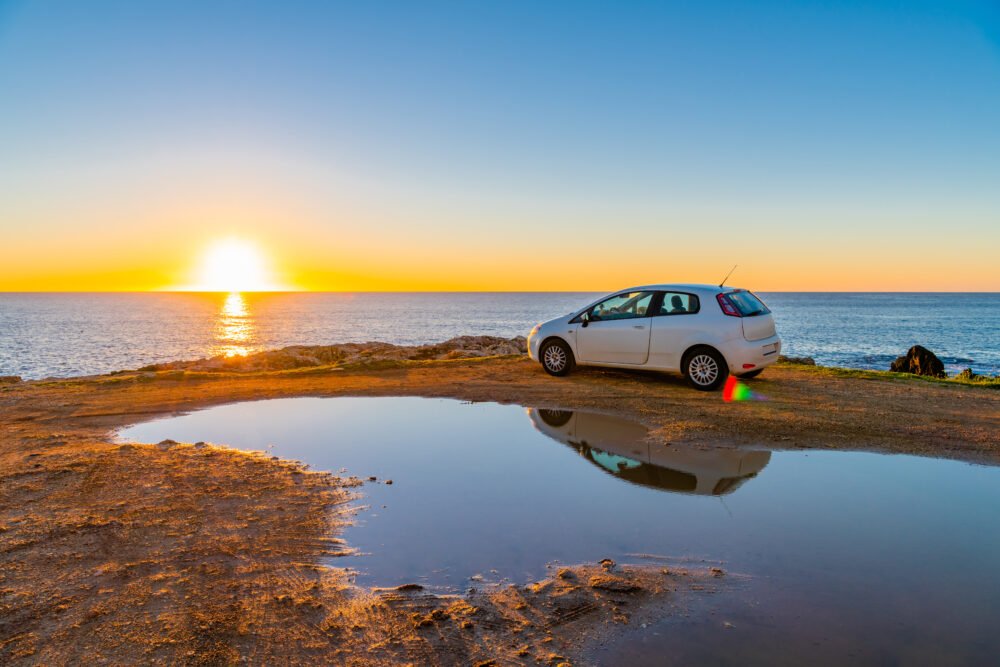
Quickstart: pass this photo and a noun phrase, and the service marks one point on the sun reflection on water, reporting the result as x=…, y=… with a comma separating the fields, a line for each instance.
x=234, y=331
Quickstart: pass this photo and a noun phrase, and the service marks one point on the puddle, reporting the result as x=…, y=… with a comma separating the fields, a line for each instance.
x=860, y=556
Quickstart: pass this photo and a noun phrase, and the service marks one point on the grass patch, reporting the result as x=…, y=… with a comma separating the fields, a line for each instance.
x=986, y=381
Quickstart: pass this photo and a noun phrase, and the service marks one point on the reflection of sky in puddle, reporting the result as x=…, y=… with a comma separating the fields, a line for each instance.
x=880, y=540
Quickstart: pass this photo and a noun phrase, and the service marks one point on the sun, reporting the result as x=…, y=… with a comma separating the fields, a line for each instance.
x=233, y=265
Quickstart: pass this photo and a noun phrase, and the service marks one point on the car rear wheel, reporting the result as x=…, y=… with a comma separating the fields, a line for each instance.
x=705, y=369
x=555, y=418
x=751, y=374
x=557, y=358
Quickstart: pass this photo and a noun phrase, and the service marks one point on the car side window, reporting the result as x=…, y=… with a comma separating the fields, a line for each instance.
x=622, y=307
x=678, y=303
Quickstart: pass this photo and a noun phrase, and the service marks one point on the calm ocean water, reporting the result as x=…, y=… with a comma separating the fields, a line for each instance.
x=46, y=335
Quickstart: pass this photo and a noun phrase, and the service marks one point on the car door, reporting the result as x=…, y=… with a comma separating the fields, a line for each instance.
x=616, y=330
x=672, y=326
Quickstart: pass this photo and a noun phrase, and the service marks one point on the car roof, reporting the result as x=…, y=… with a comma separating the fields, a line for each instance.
x=682, y=287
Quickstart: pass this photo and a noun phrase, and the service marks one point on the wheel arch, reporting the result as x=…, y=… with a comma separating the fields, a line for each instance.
x=551, y=337
x=700, y=346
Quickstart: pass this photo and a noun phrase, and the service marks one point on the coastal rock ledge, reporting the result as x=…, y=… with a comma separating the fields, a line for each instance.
x=344, y=354
x=919, y=361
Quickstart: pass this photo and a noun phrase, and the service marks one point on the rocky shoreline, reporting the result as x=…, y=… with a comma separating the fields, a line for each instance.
x=345, y=354
x=918, y=360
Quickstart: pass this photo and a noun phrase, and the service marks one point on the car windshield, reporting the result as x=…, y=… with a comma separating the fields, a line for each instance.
x=748, y=304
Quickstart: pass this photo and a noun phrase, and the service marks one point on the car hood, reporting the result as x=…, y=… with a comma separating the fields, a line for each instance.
x=559, y=321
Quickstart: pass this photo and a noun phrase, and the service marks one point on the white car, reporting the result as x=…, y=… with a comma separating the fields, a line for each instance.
x=704, y=332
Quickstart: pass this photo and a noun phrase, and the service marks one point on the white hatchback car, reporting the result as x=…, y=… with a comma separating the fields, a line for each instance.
x=704, y=332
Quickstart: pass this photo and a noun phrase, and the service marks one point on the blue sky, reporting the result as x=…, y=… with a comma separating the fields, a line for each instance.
x=809, y=134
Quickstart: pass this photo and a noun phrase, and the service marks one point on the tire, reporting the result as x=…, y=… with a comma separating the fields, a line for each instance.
x=555, y=418
x=705, y=369
x=750, y=375
x=557, y=358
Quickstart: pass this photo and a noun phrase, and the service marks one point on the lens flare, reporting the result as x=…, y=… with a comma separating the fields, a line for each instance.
x=734, y=390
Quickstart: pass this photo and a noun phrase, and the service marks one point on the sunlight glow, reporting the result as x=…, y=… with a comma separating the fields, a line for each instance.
x=235, y=327
x=233, y=265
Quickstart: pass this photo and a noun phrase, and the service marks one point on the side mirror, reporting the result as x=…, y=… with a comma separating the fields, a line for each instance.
x=585, y=319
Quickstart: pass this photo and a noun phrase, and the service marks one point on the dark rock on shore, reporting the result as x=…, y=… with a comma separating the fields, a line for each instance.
x=10, y=379
x=919, y=361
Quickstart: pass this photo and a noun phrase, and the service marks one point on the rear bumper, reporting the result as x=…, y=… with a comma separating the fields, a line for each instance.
x=746, y=355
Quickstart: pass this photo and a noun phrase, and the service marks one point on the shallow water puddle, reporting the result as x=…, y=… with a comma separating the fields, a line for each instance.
x=858, y=554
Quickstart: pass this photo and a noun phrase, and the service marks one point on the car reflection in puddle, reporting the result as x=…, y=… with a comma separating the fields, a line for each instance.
x=624, y=449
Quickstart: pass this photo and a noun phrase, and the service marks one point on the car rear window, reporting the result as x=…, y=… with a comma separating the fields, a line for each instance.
x=748, y=304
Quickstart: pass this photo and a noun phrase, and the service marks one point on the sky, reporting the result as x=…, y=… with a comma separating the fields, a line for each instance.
x=821, y=146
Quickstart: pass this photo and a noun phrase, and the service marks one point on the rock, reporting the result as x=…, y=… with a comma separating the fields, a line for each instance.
x=967, y=374
x=919, y=361
x=410, y=587
x=10, y=379
x=606, y=563
x=805, y=361
x=612, y=584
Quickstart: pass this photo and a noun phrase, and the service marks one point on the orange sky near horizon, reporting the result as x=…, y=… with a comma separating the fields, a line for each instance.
x=152, y=243
x=141, y=261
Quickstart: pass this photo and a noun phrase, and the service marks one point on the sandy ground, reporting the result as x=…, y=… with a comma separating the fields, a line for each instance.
x=183, y=553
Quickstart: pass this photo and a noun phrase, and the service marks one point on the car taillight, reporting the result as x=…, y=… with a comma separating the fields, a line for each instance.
x=727, y=306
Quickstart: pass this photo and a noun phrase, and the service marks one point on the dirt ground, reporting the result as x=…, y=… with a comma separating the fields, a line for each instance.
x=188, y=553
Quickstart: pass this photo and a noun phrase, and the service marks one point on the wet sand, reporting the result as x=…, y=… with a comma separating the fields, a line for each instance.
x=114, y=553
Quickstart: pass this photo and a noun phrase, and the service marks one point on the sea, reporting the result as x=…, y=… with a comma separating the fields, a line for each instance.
x=46, y=335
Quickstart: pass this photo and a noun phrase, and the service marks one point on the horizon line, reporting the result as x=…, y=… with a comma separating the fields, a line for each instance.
x=581, y=291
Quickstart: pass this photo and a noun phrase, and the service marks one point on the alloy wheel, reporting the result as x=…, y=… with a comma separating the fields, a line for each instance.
x=703, y=369
x=555, y=358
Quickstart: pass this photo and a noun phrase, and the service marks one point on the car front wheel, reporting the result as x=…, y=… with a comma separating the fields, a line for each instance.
x=705, y=369
x=557, y=358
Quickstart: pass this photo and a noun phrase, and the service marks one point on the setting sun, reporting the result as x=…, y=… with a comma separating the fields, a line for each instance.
x=233, y=265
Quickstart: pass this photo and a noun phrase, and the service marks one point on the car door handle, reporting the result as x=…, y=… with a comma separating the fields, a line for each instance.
x=638, y=326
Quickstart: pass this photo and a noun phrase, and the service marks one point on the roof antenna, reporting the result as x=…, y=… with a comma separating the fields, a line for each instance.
x=728, y=274
x=722, y=500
